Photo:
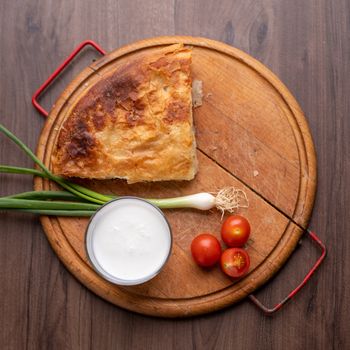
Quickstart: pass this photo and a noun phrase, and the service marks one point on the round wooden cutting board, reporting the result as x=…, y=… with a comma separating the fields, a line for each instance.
x=251, y=134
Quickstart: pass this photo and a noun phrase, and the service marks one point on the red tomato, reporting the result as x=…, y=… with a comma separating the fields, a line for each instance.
x=235, y=231
x=206, y=250
x=235, y=262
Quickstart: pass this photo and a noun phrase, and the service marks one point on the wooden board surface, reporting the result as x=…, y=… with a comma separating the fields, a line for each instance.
x=251, y=134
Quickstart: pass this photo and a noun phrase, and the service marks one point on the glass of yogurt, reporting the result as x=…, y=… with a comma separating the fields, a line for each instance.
x=128, y=241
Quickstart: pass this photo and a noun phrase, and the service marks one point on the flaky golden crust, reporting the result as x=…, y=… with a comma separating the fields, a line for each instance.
x=135, y=123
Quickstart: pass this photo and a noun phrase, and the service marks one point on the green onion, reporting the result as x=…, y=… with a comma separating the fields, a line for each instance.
x=45, y=195
x=29, y=171
x=13, y=203
x=18, y=170
x=203, y=201
x=25, y=148
x=101, y=197
x=56, y=212
x=229, y=198
x=71, y=189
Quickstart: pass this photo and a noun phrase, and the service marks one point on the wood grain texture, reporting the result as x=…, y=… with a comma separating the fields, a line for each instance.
x=286, y=179
x=306, y=44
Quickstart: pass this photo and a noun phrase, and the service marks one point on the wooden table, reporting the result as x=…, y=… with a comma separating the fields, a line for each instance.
x=306, y=44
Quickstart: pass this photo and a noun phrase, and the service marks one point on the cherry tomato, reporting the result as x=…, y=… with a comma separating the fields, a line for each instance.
x=235, y=262
x=235, y=231
x=206, y=250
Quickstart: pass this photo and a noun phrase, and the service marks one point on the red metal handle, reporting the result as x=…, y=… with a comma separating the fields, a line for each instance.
x=269, y=311
x=60, y=68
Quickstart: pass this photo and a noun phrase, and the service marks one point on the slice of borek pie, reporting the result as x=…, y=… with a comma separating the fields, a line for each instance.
x=135, y=123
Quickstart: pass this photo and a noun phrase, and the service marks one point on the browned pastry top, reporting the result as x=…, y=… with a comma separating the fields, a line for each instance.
x=136, y=123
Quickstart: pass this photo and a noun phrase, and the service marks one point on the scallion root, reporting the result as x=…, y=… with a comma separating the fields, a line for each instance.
x=231, y=199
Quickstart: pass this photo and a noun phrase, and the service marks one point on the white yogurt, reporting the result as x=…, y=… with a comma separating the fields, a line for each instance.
x=128, y=241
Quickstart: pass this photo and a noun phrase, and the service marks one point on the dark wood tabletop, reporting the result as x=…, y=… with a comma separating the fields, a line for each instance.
x=306, y=43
